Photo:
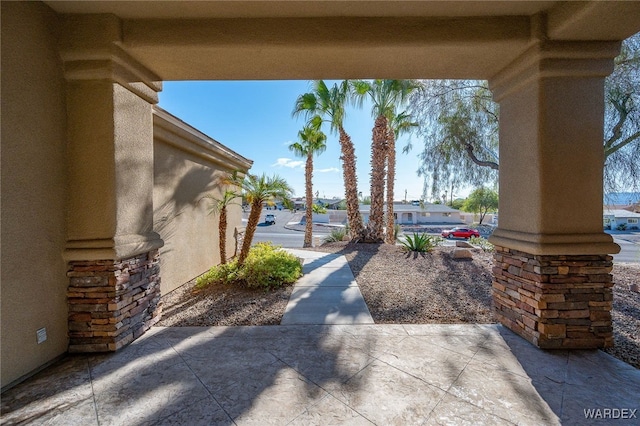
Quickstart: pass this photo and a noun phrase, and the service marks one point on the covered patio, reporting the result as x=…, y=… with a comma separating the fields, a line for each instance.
x=79, y=82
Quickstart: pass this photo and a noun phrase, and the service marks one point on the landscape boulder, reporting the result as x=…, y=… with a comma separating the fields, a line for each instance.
x=463, y=244
x=462, y=253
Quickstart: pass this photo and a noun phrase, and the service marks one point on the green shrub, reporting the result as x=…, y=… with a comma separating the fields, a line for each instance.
x=337, y=234
x=622, y=227
x=420, y=242
x=396, y=231
x=220, y=274
x=483, y=243
x=317, y=208
x=267, y=266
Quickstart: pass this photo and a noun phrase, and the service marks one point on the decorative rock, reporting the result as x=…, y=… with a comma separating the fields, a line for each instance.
x=462, y=253
x=463, y=244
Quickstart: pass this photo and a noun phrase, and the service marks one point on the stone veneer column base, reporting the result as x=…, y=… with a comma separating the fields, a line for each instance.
x=555, y=301
x=112, y=303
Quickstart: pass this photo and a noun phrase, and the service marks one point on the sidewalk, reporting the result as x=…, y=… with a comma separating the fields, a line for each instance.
x=326, y=294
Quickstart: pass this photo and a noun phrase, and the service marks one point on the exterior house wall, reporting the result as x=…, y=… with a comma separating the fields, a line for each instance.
x=406, y=218
x=321, y=217
x=615, y=218
x=187, y=166
x=417, y=218
x=337, y=216
x=34, y=190
x=470, y=218
x=437, y=217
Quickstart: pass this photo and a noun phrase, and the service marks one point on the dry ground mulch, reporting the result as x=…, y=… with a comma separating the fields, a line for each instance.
x=400, y=288
x=420, y=288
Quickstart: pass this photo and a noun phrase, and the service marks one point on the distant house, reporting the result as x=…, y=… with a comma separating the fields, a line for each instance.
x=613, y=218
x=329, y=203
x=410, y=214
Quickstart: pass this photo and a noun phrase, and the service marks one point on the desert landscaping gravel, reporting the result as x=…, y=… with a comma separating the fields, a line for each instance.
x=399, y=288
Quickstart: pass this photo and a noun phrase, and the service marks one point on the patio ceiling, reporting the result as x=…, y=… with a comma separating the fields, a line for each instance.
x=346, y=39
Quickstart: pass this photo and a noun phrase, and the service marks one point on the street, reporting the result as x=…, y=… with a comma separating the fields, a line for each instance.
x=629, y=243
x=277, y=233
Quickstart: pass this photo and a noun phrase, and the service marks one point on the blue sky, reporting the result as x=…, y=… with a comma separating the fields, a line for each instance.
x=254, y=119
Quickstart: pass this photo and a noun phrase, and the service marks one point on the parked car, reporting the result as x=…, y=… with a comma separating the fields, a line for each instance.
x=270, y=219
x=458, y=232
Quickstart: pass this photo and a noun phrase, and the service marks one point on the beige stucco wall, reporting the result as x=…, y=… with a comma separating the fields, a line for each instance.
x=34, y=282
x=187, y=166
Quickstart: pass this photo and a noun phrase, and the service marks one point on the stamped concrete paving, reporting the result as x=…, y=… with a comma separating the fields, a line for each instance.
x=321, y=375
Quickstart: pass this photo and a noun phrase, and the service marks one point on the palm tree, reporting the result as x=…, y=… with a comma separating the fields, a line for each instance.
x=330, y=103
x=399, y=124
x=312, y=141
x=385, y=96
x=257, y=190
x=220, y=206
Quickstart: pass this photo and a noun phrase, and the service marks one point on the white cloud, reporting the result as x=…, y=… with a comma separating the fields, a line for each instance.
x=328, y=170
x=288, y=162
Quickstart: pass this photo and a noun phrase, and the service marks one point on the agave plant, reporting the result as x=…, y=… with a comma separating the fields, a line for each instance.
x=337, y=234
x=421, y=243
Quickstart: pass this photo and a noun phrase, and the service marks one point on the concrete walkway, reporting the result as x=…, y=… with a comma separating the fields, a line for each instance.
x=330, y=375
x=326, y=294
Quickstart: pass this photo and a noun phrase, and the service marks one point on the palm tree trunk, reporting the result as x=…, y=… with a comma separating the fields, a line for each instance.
x=308, y=193
x=252, y=225
x=350, y=185
x=222, y=231
x=391, y=176
x=378, y=158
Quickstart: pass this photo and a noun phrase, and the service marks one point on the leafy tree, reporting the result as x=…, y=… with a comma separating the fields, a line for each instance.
x=288, y=204
x=330, y=103
x=386, y=96
x=459, y=127
x=257, y=190
x=318, y=209
x=482, y=201
x=311, y=142
x=622, y=119
x=219, y=206
x=457, y=203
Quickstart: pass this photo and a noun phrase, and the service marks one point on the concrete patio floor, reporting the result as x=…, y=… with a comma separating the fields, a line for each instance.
x=328, y=374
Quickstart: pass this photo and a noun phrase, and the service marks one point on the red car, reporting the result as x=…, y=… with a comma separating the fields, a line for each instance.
x=460, y=233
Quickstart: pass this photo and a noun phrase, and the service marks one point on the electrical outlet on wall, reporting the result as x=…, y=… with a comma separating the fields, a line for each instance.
x=41, y=335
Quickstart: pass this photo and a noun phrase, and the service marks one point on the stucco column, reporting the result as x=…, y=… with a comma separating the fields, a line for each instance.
x=552, y=276
x=110, y=132
x=112, y=249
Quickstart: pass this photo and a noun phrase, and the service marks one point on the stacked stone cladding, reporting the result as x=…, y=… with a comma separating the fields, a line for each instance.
x=112, y=302
x=555, y=301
